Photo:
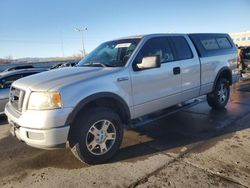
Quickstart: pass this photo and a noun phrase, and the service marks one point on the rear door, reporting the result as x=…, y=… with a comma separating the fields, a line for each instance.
x=156, y=88
x=186, y=55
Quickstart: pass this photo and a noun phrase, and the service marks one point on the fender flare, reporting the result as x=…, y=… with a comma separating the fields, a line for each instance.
x=94, y=97
x=220, y=72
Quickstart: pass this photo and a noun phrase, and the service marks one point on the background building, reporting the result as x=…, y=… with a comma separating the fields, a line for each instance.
x=242, y=38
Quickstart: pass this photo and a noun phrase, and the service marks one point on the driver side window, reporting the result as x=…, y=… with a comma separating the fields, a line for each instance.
x=158, y=46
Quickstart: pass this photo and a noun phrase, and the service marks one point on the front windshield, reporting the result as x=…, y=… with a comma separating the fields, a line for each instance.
x=111, y=54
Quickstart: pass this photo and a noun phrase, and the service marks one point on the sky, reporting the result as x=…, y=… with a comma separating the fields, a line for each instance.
x=45, y=28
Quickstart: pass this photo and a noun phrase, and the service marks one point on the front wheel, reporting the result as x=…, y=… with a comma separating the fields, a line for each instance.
x=96, y=135
x=219, y=97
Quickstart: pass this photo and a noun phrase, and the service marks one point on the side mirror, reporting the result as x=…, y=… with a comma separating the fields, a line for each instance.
x=149, y=62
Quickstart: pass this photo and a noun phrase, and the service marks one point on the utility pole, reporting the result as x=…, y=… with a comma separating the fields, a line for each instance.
x=81, y=30
x=62, y=48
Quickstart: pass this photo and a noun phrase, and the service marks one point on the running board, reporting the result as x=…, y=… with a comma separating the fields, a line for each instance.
x=163, y=113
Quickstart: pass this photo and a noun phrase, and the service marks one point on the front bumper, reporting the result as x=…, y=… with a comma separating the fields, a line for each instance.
x=38, y=119
x=45, y=139
x=40, y=129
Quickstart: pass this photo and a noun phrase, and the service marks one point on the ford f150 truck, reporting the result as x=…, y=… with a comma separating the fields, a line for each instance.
x=86, y=107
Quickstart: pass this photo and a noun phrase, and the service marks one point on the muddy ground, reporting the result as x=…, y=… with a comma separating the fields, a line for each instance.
x=195, y=147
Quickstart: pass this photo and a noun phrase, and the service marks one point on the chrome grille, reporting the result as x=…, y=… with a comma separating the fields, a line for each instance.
x=16, y=98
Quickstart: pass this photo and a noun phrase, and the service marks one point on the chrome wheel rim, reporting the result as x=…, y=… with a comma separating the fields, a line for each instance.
x=222, y=93
x=101, y=137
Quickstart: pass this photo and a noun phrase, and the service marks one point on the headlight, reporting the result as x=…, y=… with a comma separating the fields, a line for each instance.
x=44, y=101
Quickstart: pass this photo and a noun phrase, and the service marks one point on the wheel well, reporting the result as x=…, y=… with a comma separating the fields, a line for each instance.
x=108, y=102
x=226, y=73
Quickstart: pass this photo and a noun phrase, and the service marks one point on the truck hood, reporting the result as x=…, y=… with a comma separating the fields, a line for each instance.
x=54, y=79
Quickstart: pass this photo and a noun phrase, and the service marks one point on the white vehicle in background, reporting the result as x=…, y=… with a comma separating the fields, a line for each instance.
x=121, y=80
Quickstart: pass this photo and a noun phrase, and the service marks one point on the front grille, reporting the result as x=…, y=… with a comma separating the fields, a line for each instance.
x=16, y=98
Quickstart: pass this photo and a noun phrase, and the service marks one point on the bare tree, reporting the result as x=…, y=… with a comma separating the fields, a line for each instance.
x=5, y=61
x=9, y=57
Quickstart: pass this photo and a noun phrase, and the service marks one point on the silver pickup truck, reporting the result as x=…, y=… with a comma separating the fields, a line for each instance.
x=87, y=107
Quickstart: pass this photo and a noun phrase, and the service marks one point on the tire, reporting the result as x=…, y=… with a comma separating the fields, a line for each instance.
x=218, y=99
x=92, y=131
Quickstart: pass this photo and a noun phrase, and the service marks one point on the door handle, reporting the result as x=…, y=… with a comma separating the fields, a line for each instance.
x=122, y=79
x=176, y=70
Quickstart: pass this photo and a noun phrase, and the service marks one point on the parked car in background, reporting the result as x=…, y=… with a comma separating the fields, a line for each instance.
x=245, y=61
x=69, y=64
x=19, y=67
x=56, y=66
x=6, y=79
x=61, y=65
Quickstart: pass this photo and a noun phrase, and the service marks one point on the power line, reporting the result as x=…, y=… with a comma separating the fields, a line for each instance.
x=27, y=41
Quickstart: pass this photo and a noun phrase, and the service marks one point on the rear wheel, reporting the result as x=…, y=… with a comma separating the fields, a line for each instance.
x=96, y=135
x=219, y=97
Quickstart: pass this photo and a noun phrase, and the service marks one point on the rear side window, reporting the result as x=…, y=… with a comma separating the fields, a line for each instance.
x=216, y=43
x=213, y=44
x=210, y=44
x=182, y=48
x=223, y=43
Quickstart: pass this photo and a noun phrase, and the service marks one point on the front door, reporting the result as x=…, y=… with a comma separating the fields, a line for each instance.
x=156, y=88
